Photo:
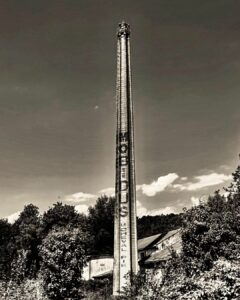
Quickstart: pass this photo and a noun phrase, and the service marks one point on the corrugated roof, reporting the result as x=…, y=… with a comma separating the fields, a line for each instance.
x=170, y=233
x=164, y=254
x=145, y=242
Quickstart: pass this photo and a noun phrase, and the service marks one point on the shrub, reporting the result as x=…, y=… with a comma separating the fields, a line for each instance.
x=63, y=257
x=26, y=290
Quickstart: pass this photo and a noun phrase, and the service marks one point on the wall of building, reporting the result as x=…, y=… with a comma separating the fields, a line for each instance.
x=97, y=267
x=145, y=253
x=103, y=265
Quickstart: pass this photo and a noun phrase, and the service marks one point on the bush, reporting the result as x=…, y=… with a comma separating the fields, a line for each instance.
x=98, y=289
x=222, y=282
x=208, y=267
x=27, y=290
x=63, y=255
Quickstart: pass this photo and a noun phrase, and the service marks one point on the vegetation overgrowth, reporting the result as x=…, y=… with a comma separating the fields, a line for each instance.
x=209, y=264
x=42, y=256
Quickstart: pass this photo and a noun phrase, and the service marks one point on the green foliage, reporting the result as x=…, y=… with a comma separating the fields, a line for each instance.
x=63, y=254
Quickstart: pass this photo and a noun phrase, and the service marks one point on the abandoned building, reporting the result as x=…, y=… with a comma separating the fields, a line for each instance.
x=153, y=251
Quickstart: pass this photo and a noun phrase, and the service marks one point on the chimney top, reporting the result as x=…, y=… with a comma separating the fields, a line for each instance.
x=123, y=30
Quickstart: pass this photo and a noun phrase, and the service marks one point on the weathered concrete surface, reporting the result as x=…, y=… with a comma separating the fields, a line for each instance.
x=125, y=232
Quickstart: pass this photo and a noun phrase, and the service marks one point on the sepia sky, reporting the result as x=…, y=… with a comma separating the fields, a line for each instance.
x=57, y=100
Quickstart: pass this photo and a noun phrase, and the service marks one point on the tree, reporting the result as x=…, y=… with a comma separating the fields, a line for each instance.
x=150, y=225
x=61, y=216
x=64, y=255
x=25, y=242
x=211, y=231
x=208, y=267
x=101, y=225
x=5, y=254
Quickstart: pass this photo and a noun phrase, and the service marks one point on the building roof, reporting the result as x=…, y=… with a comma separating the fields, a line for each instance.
x=146, y=242
x=104, y=274
x=100, y=256
x=169, y=234
x=165, y=254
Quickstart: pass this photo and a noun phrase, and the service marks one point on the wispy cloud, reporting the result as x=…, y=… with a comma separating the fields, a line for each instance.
x=162, y=211
x=195, y=200
x=80, y=197
x=143, y=211
x=183, y=184
x=82, y=201
x=82, y=208
x=203, y=181
x=13, y=217
x=159, y=185
x=110, y=192
x=170, y=182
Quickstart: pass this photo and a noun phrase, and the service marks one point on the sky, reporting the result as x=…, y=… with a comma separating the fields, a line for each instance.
x=58, y=110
